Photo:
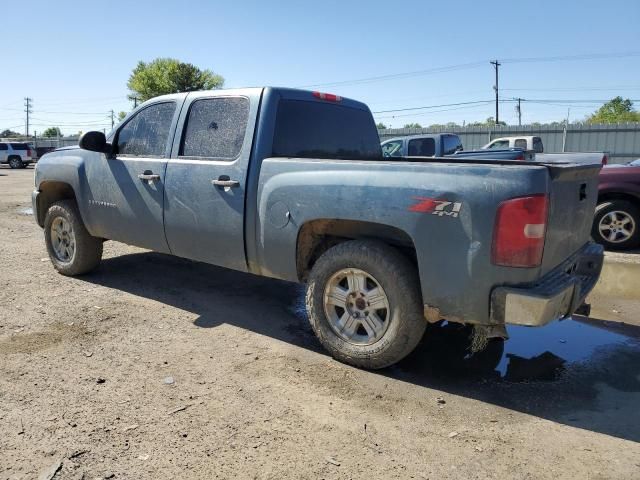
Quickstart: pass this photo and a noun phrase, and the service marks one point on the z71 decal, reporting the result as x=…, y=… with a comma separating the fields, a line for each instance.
x=436, y=207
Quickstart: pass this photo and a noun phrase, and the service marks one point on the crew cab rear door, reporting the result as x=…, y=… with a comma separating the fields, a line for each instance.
x=206, y=177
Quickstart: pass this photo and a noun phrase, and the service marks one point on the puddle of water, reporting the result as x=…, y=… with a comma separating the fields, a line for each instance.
x=558, y=350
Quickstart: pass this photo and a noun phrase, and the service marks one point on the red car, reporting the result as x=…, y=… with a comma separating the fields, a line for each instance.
x=617, y=220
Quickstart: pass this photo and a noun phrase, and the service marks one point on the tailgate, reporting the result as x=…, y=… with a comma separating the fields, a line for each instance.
x=573, y=196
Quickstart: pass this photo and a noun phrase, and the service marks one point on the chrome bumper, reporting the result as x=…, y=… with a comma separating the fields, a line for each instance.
x=556, y=295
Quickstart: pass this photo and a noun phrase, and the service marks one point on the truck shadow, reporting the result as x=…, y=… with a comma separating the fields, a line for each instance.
x=584, y=372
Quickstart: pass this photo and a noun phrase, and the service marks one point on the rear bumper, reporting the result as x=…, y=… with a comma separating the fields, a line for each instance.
x=556, y=295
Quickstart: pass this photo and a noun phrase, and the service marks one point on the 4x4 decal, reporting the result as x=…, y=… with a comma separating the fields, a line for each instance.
x=436, y=207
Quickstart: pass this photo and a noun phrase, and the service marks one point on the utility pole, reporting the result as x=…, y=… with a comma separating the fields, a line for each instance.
x=28, y=103
x=519, y=111
x=496, y=64
x=112, y=118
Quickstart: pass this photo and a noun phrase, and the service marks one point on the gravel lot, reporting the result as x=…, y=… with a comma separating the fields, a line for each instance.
x=156, y=367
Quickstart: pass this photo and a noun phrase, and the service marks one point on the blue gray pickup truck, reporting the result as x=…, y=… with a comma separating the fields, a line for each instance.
x=293, y=185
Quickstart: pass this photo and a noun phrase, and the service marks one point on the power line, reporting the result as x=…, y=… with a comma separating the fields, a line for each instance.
x=433, y=106
x=396, y=76
x=564, y=58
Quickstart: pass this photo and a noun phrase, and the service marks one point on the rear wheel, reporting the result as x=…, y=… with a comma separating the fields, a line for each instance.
x=364, y=304
x=72, y=250
x=616, y=225
x=16, y=162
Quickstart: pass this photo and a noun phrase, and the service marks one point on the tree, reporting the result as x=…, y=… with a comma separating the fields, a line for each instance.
x=121, y=116
x=489, y=122
x=9, y=133
x=168, y=75
x=616, y=110
x=413, y=125
x=381, y=126
x=52, y=132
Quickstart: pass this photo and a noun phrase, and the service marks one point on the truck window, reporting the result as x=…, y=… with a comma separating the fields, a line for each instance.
x=19, y=146
x=3, y=146
x=324, y=130
x=500, y=144
x=451, y=144
x=215, y=128
x=422, y=147
x=392, y=149
x=537, y=145
x=520, y=143
x=147, y=132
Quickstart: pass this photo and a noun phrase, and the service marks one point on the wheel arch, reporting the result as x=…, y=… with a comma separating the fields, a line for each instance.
x=51, y=192
x=316, y=236
x=608, y=196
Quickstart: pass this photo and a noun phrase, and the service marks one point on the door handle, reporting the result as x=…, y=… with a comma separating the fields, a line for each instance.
x=225, y=183
x=149, y=177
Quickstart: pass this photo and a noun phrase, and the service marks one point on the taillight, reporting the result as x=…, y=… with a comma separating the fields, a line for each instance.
x=518, y=235
x=520, y=157
x=329, y=97
x=28, y=152
x=605, y=160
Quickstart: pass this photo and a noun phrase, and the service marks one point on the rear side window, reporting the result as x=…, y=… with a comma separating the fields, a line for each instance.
x=451, y=144
x=392, y=149
x=520, y=143
x=19, y=146
x=500, y=144
x=147, y=133
x=3, y=146
x=319, y=130
x=537, y=145
x=422, y=147
x=215, y=128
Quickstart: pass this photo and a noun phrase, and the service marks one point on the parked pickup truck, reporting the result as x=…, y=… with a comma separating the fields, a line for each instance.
x=444, y=144
x=292, y=185
x=535, y=145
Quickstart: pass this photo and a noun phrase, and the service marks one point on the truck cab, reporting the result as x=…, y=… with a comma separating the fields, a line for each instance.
x=525, y=142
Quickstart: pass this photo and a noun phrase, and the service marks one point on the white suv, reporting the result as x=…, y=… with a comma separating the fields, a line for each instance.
x=17, y=155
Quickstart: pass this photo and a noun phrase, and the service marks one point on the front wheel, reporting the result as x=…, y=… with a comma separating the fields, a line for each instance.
x=616, y=225
x=72, y=250
x=364, y=304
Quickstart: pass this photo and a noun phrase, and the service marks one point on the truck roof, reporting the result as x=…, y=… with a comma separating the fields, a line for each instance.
x=284, y=92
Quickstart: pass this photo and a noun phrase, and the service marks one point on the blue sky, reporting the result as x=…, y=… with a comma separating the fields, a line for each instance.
x=74, y=57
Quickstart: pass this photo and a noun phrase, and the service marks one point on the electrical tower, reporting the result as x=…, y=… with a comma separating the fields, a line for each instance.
x=496, y=64
x=28, y=103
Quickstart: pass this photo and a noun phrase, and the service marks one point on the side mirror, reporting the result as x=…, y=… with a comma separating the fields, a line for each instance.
x=95, y=142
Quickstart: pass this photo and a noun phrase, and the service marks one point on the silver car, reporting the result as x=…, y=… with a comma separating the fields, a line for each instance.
x=16, y=154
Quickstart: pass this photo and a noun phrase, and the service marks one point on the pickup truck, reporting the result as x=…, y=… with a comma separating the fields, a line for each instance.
x=534, y=144
x=293, y=185
x=444, y=144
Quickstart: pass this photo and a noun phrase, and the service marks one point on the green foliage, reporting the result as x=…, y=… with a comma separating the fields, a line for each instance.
x=121, y=116
x=381, y=126
x=412, y=125
x=617, y=110
x=168, y=75
x=489, y=122
x=8, y=133
x=52, y=132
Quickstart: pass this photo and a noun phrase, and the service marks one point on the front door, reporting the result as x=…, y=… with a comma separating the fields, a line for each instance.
x=206, y=177
x=126, y=194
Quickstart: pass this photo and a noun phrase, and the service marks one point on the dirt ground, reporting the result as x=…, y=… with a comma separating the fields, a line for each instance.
x=156, y=367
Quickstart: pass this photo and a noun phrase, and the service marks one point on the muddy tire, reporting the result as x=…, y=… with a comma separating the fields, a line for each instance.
x=72, y=250
x=616, y=225
x=364, y=304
